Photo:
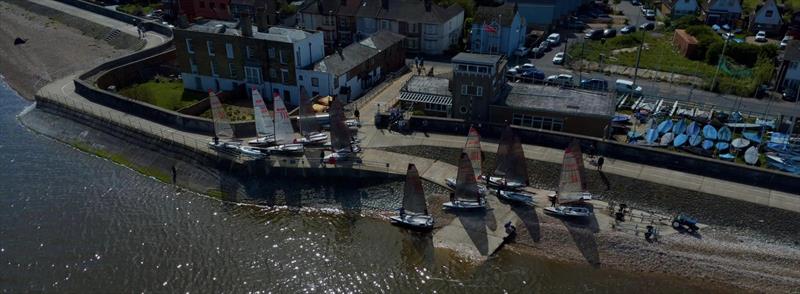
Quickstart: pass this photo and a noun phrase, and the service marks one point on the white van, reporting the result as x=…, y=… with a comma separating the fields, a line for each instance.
x=627, y=87
x=554, y=38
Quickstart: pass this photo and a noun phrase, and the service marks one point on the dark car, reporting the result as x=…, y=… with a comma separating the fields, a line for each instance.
x=594, y=35
x=534, y=74
x=627, y=30
x=537, y=52
x=609, y=33
x=594, y=84
x=636, y=2
x=648, y=26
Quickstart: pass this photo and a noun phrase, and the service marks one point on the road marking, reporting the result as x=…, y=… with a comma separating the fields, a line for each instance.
x=62, y=89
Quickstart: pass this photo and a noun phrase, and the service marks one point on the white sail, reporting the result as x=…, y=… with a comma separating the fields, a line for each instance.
x=264, y=124
x=284, y=134
x=473, y=151
x=222, y=126
x=571, y=183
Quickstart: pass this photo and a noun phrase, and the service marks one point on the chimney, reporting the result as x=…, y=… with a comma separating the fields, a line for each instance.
x=385, y=4
x=245, y=24
x=261, y=19
x=428, y=5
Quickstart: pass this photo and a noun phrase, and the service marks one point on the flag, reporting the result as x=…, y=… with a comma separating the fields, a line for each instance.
x=489, y=28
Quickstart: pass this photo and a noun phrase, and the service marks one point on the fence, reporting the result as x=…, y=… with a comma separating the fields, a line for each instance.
x=193, y=145
x=369, y=96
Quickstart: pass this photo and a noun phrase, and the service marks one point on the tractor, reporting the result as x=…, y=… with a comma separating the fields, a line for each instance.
x=683, y=221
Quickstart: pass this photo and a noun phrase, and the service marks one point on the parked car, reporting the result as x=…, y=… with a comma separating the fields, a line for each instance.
x=726, y=36
x=636, y=2
x=537, y=52
x=545, y=45
x=554, y=38
x=726, y=27
x=715, y=28
x=761, y=36
x=533, y=75
x=521, y=69
x=648, y=26
x=627, y=87
x=609, y=33
x=650, y=14
x=594, y=34
x=594, y=84
x=157, y=13
x=576, y=24
x=684, y=222
x=785, y=42
x=521, y=51
x=628, y=29
x=559, y=58
x=562, y=80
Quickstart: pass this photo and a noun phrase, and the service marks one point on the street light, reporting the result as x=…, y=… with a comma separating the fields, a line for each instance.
x=638, y=58
x=719, y=63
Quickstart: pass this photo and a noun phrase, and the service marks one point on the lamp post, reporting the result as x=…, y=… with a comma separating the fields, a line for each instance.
x=719, y=63
x=638, y=58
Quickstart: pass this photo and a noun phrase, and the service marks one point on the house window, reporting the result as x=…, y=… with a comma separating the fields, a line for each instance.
x=248, y=51
x=232, y=70
x=430, y=29
x=300, y=77
x=413, y=28
x=273, y=74
x=769, y=13
x=252, y=74
x=479, y=91
x=516, y=120
x=315, y=82
x=192, y=64
x=462, y=67
x=386, y=25
x=214, y=68
x=282, y=57
x=464, y=90
x=229, y=50
x=210, y=46
x=271, y=52
x=412, y=43
x=336, y=82
x=329, y=20
x=189, y=46
x=435, y=107
x=463, y=109
x=284, y=76
x=482, y=69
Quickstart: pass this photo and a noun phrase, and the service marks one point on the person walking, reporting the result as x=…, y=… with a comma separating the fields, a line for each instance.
x=174, y=175
x=357, y=114
x=600, y=162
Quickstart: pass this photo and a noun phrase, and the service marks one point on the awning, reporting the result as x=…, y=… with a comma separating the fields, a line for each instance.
x=426, y=98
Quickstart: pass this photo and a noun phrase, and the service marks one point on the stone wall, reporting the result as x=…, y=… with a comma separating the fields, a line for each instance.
x=662, y=158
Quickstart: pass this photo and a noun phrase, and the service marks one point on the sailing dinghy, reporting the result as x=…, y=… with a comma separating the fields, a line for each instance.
x=473, y=150
x=309, y=127
x=414, y=212
x=466, y=195
x=341, y=140
x=571, y=185
x=512, y=171
x=223, y=131
x=265, y=129
x=284, y=134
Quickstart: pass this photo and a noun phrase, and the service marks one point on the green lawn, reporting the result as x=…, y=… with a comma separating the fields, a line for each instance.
x=163, y=93
x=235, y=113
x=138, y=9
x=658, y=55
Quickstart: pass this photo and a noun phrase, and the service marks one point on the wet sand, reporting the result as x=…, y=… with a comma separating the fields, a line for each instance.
x=751, y=247
x=52, y=51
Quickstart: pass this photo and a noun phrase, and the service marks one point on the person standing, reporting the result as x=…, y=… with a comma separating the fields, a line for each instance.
x=174, y=174
x=600, y=162
x=357, y=114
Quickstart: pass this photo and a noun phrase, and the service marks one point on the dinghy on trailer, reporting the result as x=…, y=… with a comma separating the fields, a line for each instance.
x=414, y=212
x=265, y=128
x=472, y=147
x=310, y=129
x=223, y=131
x=466, y=195
x=284, y=133
x=341, y=138
x=751, y=155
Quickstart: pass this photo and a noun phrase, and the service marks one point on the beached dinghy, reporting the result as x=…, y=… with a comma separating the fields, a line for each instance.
x=708, y=144
x=473, y=150
x=223, y=132
x=751, y=155
x=265, y=129
x=571, y=185
x=512, y=169
x=414, y=212
x=307, y=122
x=466, y=195
x=679, y=127
x=693, y=129
x=284, y=133
x=342, y=143
x=667, y=138
x=724, y=134
x=722, y=146
x=664, y=126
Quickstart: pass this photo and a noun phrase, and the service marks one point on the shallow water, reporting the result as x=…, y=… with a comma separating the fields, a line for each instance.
x=72, y=222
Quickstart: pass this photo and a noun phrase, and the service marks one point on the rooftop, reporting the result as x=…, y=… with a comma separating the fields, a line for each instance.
x=473, y=58
x=555, y=99
x=409, y=11
x=503, y=14
x=355, y=54
x=792, y=52
x=278, y=34
x=428, y=85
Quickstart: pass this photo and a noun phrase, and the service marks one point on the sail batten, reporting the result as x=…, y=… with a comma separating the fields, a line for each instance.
x=414, y=196
x=466, y=185
x=473, y=150
x=572, y=181
x=284, y=134
x=264, y=123
x=340, y=133
x=222, y=126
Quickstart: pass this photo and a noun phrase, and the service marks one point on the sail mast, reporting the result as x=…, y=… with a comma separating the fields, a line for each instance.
x=502, y=161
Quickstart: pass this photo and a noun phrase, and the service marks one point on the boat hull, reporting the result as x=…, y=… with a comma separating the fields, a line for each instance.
x=517, y=197
x=464, y=205
x=418, y=221
x=568, y=211
x=501, y=182
x=290, y=149
x=451, y=182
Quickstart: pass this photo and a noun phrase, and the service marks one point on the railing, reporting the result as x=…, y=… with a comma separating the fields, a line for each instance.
x=121, y=122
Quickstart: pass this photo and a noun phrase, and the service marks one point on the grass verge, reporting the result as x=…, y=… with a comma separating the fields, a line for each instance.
x=122, y=160
x=163, y=92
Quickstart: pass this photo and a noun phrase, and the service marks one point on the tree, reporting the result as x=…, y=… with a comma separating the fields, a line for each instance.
x=468, y=5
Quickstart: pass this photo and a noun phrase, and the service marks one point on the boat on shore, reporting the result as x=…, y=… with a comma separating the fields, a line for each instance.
x=224, y=139
x=467, y=196
x=284, y=133
x=709, y=132
x=414, y=212
x=511, y=172
x=472, y=147
x=342, y=144
x=680, y=140
x=751, y=155
x=265, y=129
x=740, y=143
x=310, y=130
x=571, y=185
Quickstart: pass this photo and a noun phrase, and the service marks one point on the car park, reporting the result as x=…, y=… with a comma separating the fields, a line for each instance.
x=594, y=84
x=554, y=38
x=559, y=58
x=562, y=80
x=648, y=26
x=609, y=33
x=627, y=87
x=627, y=29
x=594, y=34
x=761, y=36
